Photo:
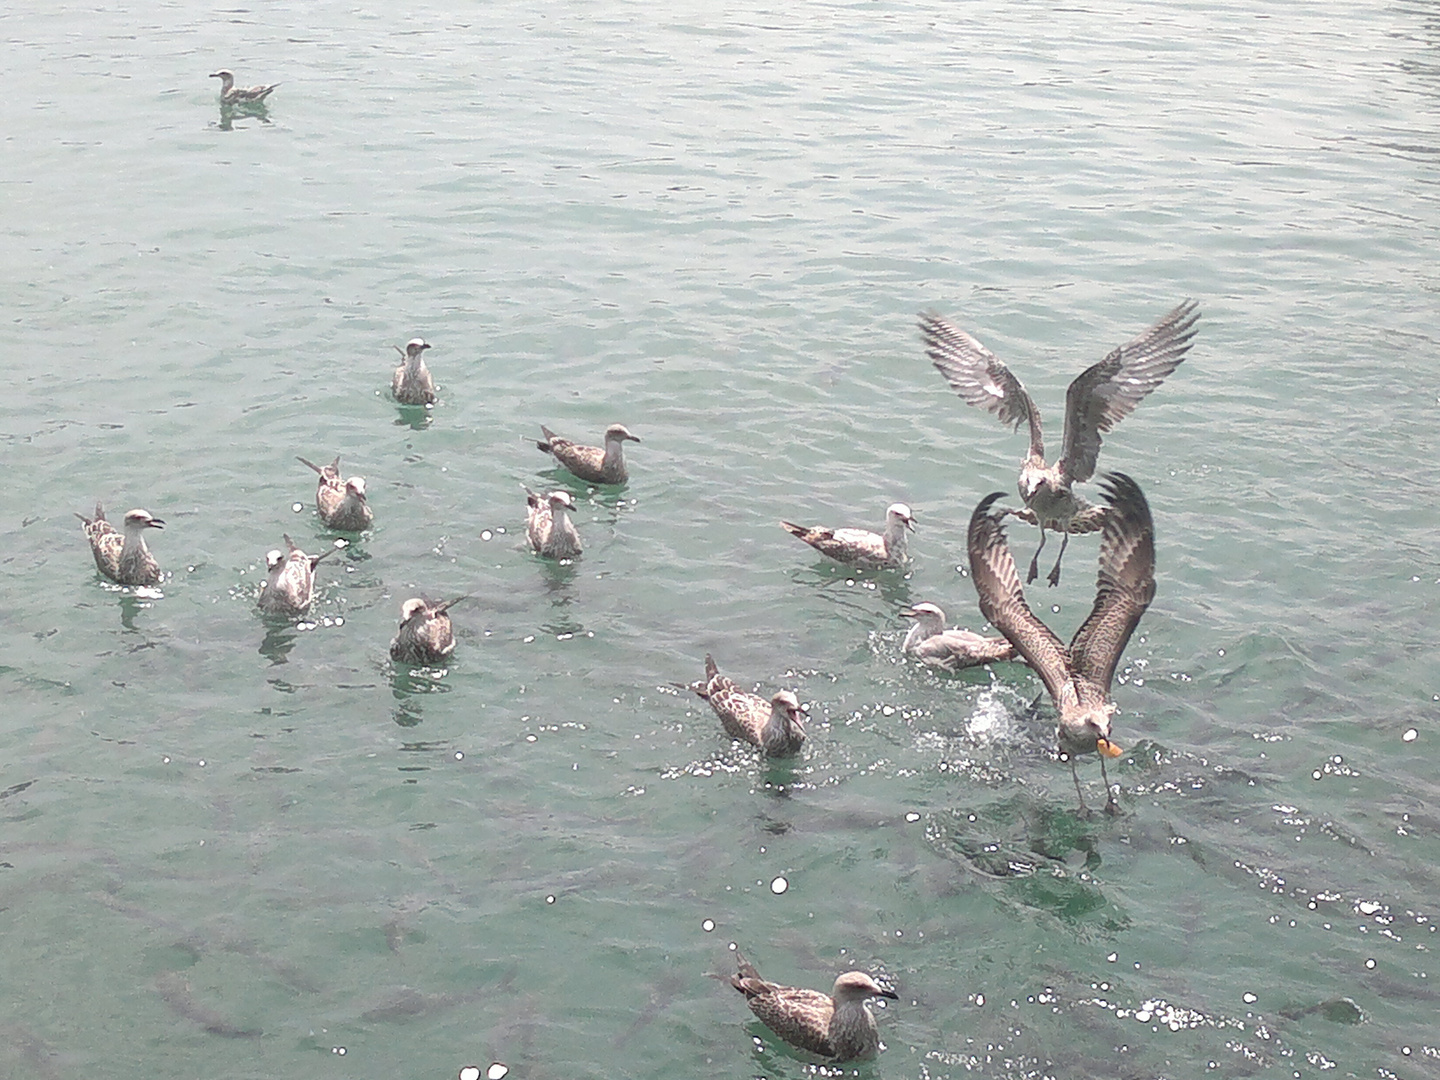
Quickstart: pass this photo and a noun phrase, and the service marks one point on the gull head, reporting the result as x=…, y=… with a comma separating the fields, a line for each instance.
x=619, y=433
x=857, y=986
x=561, y=500
x=900, y=512
x=414, y=347
x=356, y=486
x=137, y=520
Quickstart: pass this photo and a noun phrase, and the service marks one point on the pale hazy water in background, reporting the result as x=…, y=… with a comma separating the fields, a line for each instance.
x=718, y=229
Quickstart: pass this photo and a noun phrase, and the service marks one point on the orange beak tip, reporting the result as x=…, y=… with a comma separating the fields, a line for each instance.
x=1108, y=748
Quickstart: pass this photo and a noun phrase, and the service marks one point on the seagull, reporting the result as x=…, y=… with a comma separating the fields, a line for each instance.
x=930, y=643
x=230, y=94
x=290, y=586
x=1078, y=678
x=838, y=1026
x=412, y=384
x=772, y=725
x=124, y=559
x=341, y=504
x=591, y=463
x=425, y=635
x=551, y=533
x=1099, y=398
x=860, y=547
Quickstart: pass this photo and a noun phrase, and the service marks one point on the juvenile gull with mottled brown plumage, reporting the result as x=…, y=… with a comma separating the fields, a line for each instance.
x=412, y=384
x=593, y=464
x=1078, y=678
x=230, y=94
x=838, y=1026
x=289, y=586
x=341, y=503
x=551, y=532
x=931, y=643
x=772, y=725
x=861, y=547
x=425, y=635
x=123, y=557
x=1098, y=399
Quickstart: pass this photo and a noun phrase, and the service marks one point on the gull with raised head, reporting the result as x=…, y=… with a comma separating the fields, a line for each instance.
x=838, y=1026
x=411, y=384
x=773, y=725
x=593, y=464
x=1099, y=398
x=1078, y=677
x=861, y=547
x=289, y=586
x=122, y=556
x=931, y=643
x=552, y=534
x=230, y=94
x=341, y=503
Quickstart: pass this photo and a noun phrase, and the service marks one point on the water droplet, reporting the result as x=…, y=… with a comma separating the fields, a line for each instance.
x=486, y=534
x=201, y=763
x=1369, y=963
x=980, y=1000
x=1250, y=998
x=470, y=1072
x=779, y=885
x=708, y=925
x=459, y=755
x=1410, y=735
x=912, y=816
x=550, y=899
x=297, y=507
x=1112, y=957
x=340, y=1050
x=165, y=760
x=1143, y=1016
x=1219, y=652
x=497, y=1071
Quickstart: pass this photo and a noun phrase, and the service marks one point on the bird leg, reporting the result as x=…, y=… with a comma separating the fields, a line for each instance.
x=1111, y=806
x=1055, y=573
x=1084, y=810
x=1035, y=560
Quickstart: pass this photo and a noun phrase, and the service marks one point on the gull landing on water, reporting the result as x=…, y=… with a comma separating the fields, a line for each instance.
x=290, y=585
x=1099, y=398
x=1078, y=678
x=930, y=643
x=591, y=463
x=552, y=534
x=772, y=725
x=860, y=547
x=425, y=635
x=230, y=94
x=123, y=557
x=838, y=1026
x=411, y=383
x=341, y=504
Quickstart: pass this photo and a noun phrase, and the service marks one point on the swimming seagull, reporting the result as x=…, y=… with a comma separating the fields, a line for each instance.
x=341, y=504
x=1099, y=398
x=412, y=384
x=552, y=534
x=772, y=725
x=1079, y=677
x=591, y=463
x=930, y=643
x=290, y=586
x=123, y=558
x=839, y=1026
x=230, y=94
x=860, y=547
x=425, y=635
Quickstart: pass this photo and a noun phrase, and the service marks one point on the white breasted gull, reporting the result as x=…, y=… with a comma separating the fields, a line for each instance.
x=123, y=557
x=290, y=585
x=1078, y=678
x=593, y=464
x=860, y=547
x=230, y=94
x=1099, y=398
x=772, y=725
x=552, y=534
x=931, y=643
x=341, y=503
x=425, y=635
x=838, y=1026
x=412, y=384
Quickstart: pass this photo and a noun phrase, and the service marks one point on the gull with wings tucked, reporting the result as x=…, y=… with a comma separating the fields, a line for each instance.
x=230, y=94
x=838, y=1026
x=773, y=725
x=341, y=503
x=1099, y=398
x=123, y=556
x=950, y=650
x=861, y=547
x=425, y=635
x=1078, y=677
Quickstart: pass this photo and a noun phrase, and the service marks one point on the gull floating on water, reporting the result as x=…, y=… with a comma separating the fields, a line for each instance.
x=230, y=94
x=341, y=503
x=860, y=547
x=425, y=635
x=930, y=643
x=838, y=1026
x=123, y=558
x=1079, y=677
x=552, y=534
x=772, y=725
x=412, y=384
x=290, y=586
x=591, y=463
x=1099, y=398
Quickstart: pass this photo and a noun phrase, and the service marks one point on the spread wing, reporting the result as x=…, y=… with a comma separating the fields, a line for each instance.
x=1125, y=585
x=1105, y=393
x=978, y=376
x=1003, y=601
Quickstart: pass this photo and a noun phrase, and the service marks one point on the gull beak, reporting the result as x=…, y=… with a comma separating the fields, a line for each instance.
x=910, y=523
x=908, y=613
x=1106, y=747
x=891, y=994
x=155, y=523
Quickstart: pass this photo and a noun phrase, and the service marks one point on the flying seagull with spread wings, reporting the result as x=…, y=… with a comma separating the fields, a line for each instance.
x=1099, y=398
x=1079, y=677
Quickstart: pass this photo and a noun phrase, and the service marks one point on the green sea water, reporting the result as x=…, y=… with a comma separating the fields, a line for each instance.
x=235, y=849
